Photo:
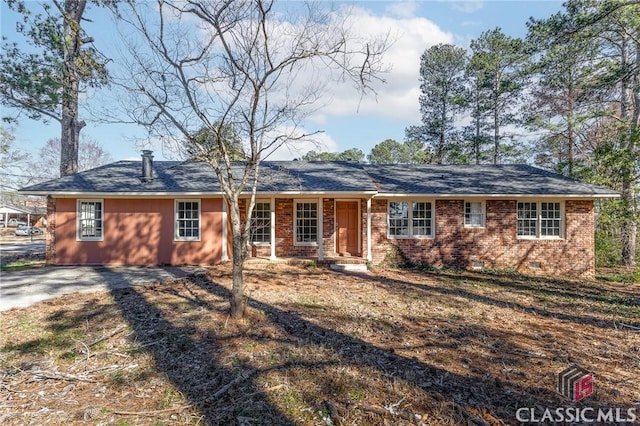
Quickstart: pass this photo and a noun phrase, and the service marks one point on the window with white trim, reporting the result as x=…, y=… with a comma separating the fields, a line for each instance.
x=261, y=223
x=410, y=219
x=540, y=219
x=90, y=220
x=306, y=223
x=187, y=220
x=474, y=215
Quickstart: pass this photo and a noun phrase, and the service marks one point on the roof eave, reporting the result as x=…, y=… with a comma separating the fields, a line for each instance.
x=494, y=196
x=78, y=194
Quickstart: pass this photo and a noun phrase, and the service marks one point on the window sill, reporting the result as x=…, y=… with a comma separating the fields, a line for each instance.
x=524, y=238
x=82, y=240
x=260, y=244
x=475, y=226
x=410, y=237
x=305, y=244
x=187, y=240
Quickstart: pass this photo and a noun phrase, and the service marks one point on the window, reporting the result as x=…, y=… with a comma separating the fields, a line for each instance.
x=550, y=219
x=261, y=223
x=410, y=219
x=90, y=220
x=188, y=220
x=398, y=219
x=539, y=220
x=474, y=214
x=306, y=223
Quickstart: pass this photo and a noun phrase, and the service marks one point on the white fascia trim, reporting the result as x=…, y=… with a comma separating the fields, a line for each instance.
x=300, y=194
x=313, y=194
x=494, y=196
x=129, y=194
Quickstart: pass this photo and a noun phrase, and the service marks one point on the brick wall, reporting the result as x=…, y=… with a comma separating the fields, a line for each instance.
x=496, y=245
x=285, y=246
x=328, y=227
x=50, y=238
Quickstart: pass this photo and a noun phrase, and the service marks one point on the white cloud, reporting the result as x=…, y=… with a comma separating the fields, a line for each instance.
x=402, y=9
x=398, y=97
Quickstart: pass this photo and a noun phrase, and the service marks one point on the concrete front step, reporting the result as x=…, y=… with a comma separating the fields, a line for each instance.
x=350, y=267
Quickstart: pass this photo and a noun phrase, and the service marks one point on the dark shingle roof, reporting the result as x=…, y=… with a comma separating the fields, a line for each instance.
x=123, y=177
x=194, y=177
x=516, y=179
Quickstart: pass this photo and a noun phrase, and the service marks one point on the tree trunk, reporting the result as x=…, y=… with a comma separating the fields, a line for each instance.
x=239, y=243
x=70, y=134
x=630, y=112
x=628, y=238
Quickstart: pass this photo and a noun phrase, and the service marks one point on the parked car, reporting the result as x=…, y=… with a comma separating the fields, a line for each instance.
x=28, y=230
x=16, y=222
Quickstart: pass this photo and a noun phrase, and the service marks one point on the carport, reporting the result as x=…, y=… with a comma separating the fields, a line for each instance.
x=12, y=210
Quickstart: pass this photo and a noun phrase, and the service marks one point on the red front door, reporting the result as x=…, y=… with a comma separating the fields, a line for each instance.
x=347, y=228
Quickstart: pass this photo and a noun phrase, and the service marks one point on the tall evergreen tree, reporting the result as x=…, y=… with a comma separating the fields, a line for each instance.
x=614, y=27
x=442, y=69
x=563, y=99
x=45, y=80
x=497, y=60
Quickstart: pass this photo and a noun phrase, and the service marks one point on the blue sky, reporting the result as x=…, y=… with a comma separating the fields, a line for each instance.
x=346, y=121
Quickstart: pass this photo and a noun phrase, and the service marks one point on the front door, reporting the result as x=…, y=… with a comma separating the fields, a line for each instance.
x=347, y=228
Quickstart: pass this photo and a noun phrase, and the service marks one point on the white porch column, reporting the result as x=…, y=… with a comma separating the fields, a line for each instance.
x=225, y=254
x=272, y=217
x=320, y=239
x=369, y=257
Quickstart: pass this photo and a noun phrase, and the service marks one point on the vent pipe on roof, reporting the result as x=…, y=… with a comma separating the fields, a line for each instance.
x=147, y=165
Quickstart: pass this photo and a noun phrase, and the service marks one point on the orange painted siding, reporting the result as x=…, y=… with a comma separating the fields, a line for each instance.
x=138, y=232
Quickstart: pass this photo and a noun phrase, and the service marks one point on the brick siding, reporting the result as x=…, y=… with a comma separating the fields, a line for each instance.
x=494, y=246
x=50, y=238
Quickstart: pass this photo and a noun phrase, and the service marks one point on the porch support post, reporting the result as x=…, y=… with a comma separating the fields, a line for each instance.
x=320, y=232
x=272, y=233
x=225, y=254
x=369, y=257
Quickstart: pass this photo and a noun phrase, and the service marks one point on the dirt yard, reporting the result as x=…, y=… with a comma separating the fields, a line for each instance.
x=319, y=347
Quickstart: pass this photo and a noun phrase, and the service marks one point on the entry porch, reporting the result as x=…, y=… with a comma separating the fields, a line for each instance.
x=324, y=230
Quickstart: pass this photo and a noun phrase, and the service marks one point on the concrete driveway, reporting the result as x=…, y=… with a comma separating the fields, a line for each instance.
x=24, y=288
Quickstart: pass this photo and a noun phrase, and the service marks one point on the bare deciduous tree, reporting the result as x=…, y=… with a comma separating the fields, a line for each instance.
x=45, y=166
x=250, y=65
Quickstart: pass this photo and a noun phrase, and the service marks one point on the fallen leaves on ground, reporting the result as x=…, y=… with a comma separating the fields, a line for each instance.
x=318, y=347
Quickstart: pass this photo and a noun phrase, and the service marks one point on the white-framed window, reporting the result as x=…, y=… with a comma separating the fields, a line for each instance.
x=540, y=219
x=261, y=222
x=474, y=214
x=410, y=219
x=90, y=220
x=187, y=220
x=305, y=225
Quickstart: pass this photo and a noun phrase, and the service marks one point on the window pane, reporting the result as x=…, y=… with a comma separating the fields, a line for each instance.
x=421, y=218
x=261, y=223
x=527, y=219
x=398, y=218
x=550, y=219
x=306, y=222
x=90, y=219
x=473, y=214
x=187, y=219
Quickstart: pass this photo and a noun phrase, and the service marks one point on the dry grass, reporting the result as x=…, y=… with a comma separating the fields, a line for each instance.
x=318, y=347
